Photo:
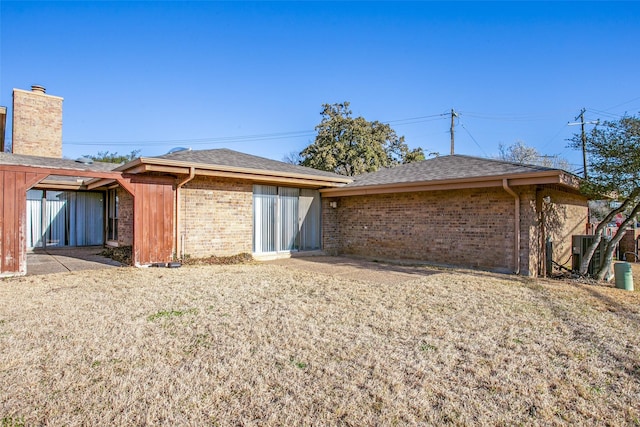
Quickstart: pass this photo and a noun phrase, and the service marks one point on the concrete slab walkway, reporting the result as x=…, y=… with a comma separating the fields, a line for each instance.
x=60, y=260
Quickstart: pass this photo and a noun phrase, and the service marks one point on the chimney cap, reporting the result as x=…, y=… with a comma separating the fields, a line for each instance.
x=38, y=88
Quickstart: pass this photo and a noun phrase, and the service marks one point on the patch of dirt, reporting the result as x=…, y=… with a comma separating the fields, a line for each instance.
x=122, y=254
x=242, y=258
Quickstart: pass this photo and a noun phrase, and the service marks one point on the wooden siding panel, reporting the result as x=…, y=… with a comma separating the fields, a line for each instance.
x=9, y=263
x=3, y=220
x=20, y=207
x=158, y=218
x=168, y=232
x=153, y=228
x=13, y=219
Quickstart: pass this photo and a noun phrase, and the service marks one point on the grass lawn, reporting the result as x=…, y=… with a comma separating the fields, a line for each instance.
x=273, y=345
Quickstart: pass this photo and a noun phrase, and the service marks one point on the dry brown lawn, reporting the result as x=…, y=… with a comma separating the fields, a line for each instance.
x=263, y=344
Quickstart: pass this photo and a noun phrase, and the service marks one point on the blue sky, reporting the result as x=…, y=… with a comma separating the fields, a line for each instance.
x=252, y=76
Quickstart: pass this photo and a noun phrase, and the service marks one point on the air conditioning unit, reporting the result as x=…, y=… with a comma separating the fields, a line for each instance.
x=580, y=244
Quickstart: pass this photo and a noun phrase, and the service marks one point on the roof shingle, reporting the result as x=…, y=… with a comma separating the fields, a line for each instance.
x=230, y=158
x=443, y=168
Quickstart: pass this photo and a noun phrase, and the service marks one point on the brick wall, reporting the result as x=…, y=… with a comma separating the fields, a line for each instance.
x=37, y=123
x=470, y=228
x=216, y=216
x=125, y=218
x=564, y=216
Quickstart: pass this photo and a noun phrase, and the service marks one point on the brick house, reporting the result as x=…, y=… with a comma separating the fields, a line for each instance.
x=458, y=210
x=454, y=210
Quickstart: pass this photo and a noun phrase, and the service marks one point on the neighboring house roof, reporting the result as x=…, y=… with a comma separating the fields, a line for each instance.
x=452, y=172
x=233, y=164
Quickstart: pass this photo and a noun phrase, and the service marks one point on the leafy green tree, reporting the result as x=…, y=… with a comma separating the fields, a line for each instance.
x=352, y=145
x=106, y=156
x=613, y=149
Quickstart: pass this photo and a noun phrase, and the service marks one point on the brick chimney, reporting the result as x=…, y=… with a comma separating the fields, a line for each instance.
x=37, y=123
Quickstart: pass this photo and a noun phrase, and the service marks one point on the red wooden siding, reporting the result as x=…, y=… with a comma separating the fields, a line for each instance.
x=13, y=207
x=153, y=220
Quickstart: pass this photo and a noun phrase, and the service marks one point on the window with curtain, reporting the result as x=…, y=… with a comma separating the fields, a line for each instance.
x=64, y=218
x=112, y=214
x=285, y=219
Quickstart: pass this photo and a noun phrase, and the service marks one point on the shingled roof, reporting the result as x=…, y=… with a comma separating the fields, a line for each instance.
x=224, y=163
x=236, y=159
x=444, y=168
x=452, y=172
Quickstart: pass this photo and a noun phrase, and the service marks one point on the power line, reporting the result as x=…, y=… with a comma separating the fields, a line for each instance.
x=432, y=116
x=605, y=113
x=472, y=138
x=246, y=138
x=310, y=133
x=507, y=117
x=202, y=141
x=623, y=103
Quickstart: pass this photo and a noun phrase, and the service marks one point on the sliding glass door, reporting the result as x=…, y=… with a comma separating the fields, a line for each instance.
x=64, y=218
x=285, y=219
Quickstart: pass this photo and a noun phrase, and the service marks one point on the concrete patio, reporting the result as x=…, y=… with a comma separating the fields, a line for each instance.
x=60, y=260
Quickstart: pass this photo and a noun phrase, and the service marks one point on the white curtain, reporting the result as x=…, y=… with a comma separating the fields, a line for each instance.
x=34, y=218
x=277, y=221
x=309, y=214
x=71, y=218
x=56, y=219
x=264, y=218
x=288, y=199
x=88, y=217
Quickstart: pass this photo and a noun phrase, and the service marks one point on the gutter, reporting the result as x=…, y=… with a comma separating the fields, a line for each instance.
x=533, y=178
x=516, y=225
x=179, y=184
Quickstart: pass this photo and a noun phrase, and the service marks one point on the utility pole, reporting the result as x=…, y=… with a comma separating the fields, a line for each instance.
x=583, y=137
x=584, y=142
x=453, y=115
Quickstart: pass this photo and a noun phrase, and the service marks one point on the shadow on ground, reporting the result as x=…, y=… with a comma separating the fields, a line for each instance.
x=60, y=260
x=357, y=269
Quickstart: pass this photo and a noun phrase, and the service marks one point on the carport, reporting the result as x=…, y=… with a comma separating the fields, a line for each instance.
x=18, y=174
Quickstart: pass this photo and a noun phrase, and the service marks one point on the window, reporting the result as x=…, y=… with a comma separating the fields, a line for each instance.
x=285, y=219
x=112, y=214
x=64, y=218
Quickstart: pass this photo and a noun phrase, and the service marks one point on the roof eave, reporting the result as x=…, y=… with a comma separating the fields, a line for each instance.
x=146, y=164
x=533, y=178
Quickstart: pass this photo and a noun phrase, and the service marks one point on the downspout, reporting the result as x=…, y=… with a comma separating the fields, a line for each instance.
x=179, y=184
x=516, y=225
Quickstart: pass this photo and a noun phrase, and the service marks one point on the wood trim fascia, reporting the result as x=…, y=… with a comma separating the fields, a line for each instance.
x=99, y=183
x=61, y=172
x=182, y=167
x=552, y=177
x=265, y=179
x=59, y=185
